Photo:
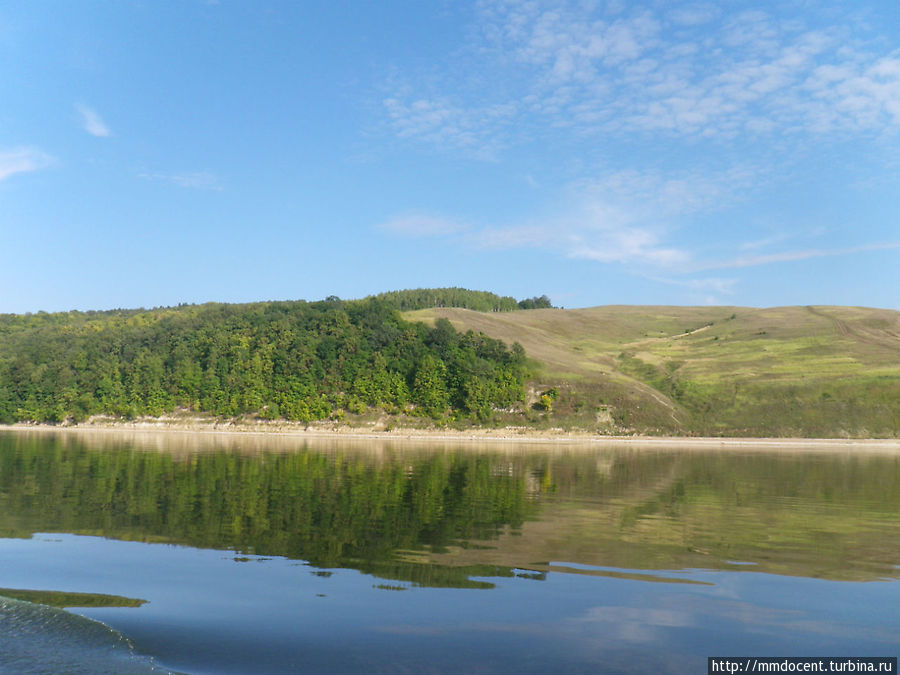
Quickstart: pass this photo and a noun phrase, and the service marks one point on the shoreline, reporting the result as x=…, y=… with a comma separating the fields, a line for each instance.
x=158, y=427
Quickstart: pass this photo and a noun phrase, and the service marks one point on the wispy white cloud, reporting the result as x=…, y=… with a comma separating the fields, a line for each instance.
x=628, y=245
x=654, y=195
x=600, y=87
x=91, y=122
x=447, y=126
x=623, y=217
x=854, y=95
x=632, y=218
x=592, y=230
x=793, y=256
x=195, y=180
x=691, y=70
x=23, y=160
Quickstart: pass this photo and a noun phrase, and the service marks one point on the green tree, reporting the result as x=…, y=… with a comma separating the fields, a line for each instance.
x=429, y=390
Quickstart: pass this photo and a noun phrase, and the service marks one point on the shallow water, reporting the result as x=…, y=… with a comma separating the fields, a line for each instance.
x=41, y=639
x=271, y=557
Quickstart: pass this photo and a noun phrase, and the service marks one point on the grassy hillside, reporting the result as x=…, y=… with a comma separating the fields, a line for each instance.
x=733, y=371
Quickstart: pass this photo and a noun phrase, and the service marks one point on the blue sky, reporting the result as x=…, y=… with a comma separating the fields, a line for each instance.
x=153, y=153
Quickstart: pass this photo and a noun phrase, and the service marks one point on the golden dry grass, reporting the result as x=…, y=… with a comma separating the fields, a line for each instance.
x=783, y=371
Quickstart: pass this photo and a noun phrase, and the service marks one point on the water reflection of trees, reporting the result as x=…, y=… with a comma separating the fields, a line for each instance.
x=331, y=509
x=443, y=516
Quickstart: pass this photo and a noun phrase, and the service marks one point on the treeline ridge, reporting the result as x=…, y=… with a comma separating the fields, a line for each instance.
x=294, y=360
x=479, y=301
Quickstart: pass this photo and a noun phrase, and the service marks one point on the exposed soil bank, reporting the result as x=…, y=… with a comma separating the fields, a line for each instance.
x=518, y=435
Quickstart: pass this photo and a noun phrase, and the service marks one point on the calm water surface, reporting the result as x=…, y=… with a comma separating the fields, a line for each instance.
x=270, y=556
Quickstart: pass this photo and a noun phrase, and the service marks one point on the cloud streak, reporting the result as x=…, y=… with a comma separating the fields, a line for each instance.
x=91, y=121
x=23, y=160
x=794, y=256
x=630, y=218
x=619, y=218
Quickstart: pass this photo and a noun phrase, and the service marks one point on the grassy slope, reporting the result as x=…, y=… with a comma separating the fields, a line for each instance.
x=784, y=371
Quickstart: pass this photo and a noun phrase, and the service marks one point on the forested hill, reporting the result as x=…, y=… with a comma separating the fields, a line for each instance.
x=293, y=360
x=479, y=301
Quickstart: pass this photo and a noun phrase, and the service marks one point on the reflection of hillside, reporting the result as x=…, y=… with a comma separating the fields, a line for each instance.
x=446, y=516
x=835, y=517
x=336, y=508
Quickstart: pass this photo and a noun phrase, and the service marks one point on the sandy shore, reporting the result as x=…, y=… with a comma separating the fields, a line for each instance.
x=512, y=435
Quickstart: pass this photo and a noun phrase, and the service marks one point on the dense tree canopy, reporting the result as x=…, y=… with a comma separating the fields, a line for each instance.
x=542, y=302
x=294, y=360
x=480, y=301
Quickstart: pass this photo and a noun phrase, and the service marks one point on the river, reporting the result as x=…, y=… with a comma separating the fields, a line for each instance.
x=245, y=554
